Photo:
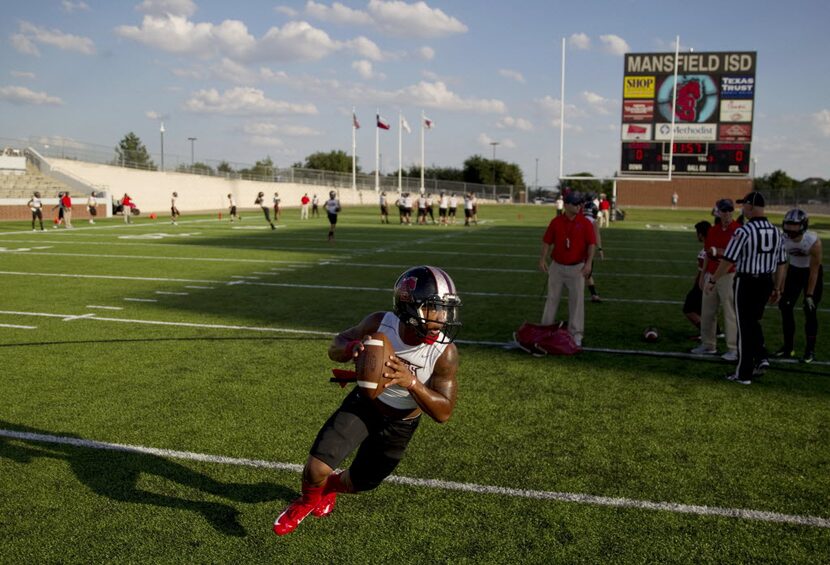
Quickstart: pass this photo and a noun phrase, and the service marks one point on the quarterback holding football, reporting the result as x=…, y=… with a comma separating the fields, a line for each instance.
x=420, y=377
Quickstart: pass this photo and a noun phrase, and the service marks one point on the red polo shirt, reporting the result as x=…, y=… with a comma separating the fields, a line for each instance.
x=719, y=237
x=570, y=238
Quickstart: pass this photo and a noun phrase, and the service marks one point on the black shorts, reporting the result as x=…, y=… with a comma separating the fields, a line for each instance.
x=422, y=212
x=693, y=302
x=332, y=218
x=174, y=211
x=384, y=210
x=452, y=211
x=468, y=213
x=407, y=210
x=233, y=210
x=93, y=211
x=37, y=214
x=442, y=212
x=382, y=441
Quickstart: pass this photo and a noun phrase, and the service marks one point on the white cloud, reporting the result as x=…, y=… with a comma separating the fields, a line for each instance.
x=513, y=75
x=426, y=53
x=822, y=120
x=265, y=141
x=153, y=115
x=365, y=48
x=22, y=74
x=579, y=41
x=437, y=95
x=614, y=44
x=22, y=96
x=337, y=13
x=509, y=122
x=167, y=7
x=486, y=141
x=23, y=44
x=598, y=103
x=363, y=68
x=287, y=11
x=31, y=34
x=231, y=71
x=242, y=101
x=264, y=129
x=69, y=6
x=550, y=108
x=400, y=19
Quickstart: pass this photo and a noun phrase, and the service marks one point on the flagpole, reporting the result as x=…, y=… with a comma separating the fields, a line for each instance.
x=400, y=152
x=377, y=151
x=354, y=151
x=423, y=126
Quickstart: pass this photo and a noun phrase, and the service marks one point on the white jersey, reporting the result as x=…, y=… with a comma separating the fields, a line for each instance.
x=332, y=206
x=453, y=202
x=383, y=200
x=91, y=202
x=232, y=202
x=444, y=202
x=799, y=251
x=420, y=359
x=35, y=204
x=468, y=203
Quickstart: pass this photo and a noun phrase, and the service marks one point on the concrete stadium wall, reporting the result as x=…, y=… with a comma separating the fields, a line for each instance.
x=17, y=209
x=691, y=192
x=151, y=191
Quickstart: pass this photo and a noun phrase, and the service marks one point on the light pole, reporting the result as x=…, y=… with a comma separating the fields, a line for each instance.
x=191, y=140
x=162, y=145
x=494, y=143
x=536, y=181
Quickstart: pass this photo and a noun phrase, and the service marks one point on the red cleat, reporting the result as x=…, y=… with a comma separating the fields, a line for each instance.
x=291, y=517
x=326, y=505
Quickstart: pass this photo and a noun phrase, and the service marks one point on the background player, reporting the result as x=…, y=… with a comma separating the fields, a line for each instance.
x=804, y=273
x=422, y=379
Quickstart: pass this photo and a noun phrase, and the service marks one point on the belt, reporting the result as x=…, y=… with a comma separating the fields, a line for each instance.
x=570, y=264
x=754, y=276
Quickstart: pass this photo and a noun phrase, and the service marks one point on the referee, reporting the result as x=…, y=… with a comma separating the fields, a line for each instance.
x=757, y=251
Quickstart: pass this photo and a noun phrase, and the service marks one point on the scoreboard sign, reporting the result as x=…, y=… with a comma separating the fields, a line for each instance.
x=712, y=113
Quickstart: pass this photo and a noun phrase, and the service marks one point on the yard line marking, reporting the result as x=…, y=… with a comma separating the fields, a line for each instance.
x=268, y=274
x=141, y=300
x=79, y=317
x=104, y=307
x=164, y=258
x=437, y=484
x=111, y=277
x=244, y=277
x=172, y=293
x=199, y=287
x=18, y=327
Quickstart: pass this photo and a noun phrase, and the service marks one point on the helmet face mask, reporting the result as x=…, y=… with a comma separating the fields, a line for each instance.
x=425, y=299
x=797, y=219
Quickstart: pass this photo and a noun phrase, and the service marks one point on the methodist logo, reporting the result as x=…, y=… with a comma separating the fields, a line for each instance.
x=639, y=87
x=687, y=132
x=697, y=98
x=737, y=87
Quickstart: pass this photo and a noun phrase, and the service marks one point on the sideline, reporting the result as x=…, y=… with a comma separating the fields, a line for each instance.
x=578, y=498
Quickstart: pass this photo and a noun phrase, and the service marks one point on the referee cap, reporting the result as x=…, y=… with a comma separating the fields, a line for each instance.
x=754, y=198
x=573, y=197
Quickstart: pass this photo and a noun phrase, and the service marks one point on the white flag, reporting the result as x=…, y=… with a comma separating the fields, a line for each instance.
x=405, y=125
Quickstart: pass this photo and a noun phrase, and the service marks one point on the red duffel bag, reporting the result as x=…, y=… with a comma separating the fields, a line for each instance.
x=546, y=340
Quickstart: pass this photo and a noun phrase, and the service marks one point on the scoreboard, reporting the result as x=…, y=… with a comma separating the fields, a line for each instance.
x=713, y=113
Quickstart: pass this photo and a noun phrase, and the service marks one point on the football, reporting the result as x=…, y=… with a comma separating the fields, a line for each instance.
x=370, y=364
x=650, y=335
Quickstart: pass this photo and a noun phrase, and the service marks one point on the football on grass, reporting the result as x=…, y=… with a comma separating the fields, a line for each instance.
x=370, y=364
x=650, y=335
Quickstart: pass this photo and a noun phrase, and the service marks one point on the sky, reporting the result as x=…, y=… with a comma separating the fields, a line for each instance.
x=251, y=79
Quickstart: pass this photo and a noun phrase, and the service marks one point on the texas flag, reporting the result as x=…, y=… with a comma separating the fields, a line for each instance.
x=427, y=123
x=355, y=123
x=382, y=124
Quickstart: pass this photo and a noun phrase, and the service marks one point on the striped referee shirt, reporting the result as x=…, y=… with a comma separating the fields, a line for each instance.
x=757, y=248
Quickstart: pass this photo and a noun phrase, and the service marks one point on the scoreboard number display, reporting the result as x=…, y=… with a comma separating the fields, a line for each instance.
x=711, y=104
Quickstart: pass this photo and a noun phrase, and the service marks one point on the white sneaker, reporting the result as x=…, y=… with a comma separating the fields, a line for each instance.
x=730, y=356
x=578, y=340
x=735, y=379
x=703, y=350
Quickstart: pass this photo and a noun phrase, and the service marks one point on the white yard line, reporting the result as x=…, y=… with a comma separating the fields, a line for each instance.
x=104, y=307
x=199, y=287
x=140, y=300
x=12, y=326
x=437, y=484
x=166, y=293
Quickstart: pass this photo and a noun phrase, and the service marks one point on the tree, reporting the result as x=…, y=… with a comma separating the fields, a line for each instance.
x=479, y=170
x=337, y=161
x=131, y=153
x=591, y=184
x=263, y=169
x=433, y=172
x=224, y=167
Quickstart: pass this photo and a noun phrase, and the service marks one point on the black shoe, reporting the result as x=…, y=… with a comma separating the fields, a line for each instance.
x=809, y=357
x=784, y=353
x=760, y=368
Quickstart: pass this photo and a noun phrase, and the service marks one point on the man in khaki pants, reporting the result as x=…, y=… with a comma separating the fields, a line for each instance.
x=573, y=240
x=723, y=296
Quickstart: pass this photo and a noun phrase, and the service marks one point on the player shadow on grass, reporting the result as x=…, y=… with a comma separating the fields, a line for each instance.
x=115, y=474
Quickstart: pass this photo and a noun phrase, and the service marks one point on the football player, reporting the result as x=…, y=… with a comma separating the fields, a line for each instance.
x=332, y=206
x=804, y=273
x=591, y=211
x=421, y=379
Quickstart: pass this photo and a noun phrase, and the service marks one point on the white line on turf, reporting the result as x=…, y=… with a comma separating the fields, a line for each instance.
x=167, y=293
x=104, y=307
x=502, y=344
x=141, y=300
x=199, y=287
x=12, y=326
x=578, y=498
x=80, y=317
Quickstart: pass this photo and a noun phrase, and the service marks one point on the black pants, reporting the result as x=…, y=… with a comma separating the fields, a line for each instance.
x=751, y=296
x=796, y=283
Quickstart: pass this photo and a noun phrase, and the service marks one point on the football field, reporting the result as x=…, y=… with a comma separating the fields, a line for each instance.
x=161, y=385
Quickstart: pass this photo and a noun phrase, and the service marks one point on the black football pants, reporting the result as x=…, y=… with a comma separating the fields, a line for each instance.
x=796, y=283
x=751, y=295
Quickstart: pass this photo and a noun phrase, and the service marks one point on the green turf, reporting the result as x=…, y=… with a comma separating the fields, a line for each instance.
x=661, y=429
